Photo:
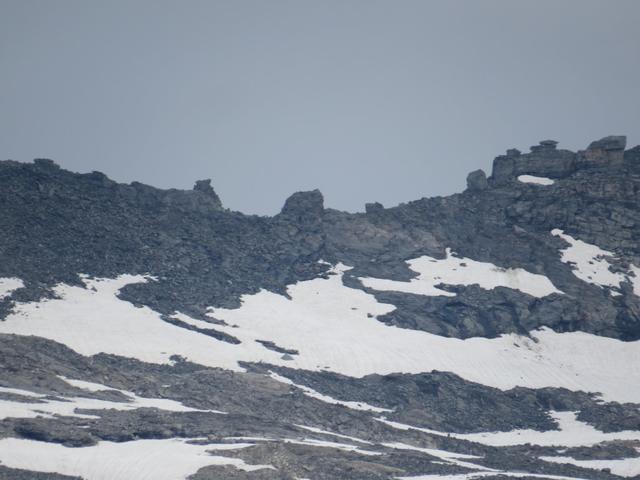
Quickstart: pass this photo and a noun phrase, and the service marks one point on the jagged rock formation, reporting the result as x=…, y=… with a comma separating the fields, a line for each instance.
x=487, y=333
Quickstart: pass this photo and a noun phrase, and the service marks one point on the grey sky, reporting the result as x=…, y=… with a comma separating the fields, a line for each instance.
x=366, y=100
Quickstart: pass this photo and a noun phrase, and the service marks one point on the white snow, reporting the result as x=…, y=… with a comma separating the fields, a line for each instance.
x=84, y=385
x=67, y=406
x=136, y=401
x=589, y=261
x=635, y=279
x=327, y=399
x=317, y=443
x=571, y=433
x=171, y=459
x=454, y=270
x=535, y=180
x=93, y=320
x=625, y=467
x=328, y=324
x=19, y=391
x=8, y=286
x=339, y=435
x=325, y=444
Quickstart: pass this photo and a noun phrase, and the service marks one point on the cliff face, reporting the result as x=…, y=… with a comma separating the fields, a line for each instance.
x=372, y=345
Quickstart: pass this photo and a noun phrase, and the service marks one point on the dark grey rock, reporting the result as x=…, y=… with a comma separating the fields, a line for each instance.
x=612, y=142
x=608, y=152
x=477, y=181
x=7, y=473
x=373, y=208
x=304, y=205
x=204, y=186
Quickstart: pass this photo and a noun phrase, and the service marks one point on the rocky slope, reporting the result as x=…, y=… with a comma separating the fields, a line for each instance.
x=153, y=333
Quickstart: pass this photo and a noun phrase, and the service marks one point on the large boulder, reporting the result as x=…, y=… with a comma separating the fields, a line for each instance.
x=607, y=152
x=477, y=181
x=304, y=206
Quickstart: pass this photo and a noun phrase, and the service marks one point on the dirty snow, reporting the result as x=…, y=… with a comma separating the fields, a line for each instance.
x=454, y=270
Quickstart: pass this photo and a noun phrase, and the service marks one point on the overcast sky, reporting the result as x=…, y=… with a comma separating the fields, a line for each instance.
x=366, y=100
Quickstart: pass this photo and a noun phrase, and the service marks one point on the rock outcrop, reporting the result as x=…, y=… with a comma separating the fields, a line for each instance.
x=545, y=160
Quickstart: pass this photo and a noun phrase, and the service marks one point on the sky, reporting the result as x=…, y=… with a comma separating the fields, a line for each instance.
x=366, y=100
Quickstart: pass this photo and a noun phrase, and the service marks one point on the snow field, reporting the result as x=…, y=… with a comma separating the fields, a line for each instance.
x=328, y=324
x=171, y=459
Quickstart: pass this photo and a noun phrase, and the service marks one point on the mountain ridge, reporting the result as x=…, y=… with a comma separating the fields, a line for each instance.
x=148, y=333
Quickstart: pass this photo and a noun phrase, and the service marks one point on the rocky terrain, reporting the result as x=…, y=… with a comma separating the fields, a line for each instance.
x=493, y=333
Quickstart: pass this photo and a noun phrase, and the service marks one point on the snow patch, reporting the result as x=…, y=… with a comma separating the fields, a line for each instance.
x=21, y=392
x=67, y=406
x=171, y=459
x=327, y=399
x=625, y=467
x=339, y=435
x=8, y=286
x=454, y=270
x=338, y=446
x=635, y=279
x=535, y=180
x=589, y=261
x=571, y=433
x=446, y=456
